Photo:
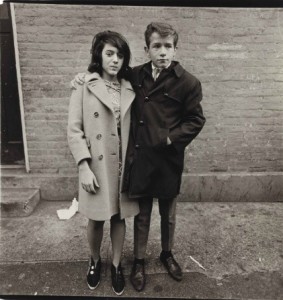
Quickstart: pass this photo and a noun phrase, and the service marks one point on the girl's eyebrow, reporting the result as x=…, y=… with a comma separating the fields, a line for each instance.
x=112, y=51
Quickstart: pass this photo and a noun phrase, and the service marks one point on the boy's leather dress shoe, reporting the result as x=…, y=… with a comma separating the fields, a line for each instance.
x=172, y=267
x=138, y=276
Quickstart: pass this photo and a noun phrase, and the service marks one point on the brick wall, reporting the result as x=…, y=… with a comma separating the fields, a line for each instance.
x=237, y=53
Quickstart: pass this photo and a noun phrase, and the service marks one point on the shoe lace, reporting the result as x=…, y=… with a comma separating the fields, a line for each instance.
x=171, y=260
x=139, y=270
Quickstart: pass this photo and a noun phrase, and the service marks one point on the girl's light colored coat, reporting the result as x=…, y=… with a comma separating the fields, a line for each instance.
x=92, y=135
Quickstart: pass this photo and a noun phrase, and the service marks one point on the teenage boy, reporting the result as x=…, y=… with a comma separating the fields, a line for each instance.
x=166, y=117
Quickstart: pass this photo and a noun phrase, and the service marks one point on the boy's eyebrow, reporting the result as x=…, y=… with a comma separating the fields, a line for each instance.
x=156, y=43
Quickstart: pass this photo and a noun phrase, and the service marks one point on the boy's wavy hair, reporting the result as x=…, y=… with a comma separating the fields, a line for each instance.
x=116, y=40
x=163, y=29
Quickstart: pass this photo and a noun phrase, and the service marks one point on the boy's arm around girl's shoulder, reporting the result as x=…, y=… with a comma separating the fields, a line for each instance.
x=75, y=129
x=133, y=74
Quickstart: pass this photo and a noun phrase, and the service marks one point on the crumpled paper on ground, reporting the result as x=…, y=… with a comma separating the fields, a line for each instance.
x=67, y=213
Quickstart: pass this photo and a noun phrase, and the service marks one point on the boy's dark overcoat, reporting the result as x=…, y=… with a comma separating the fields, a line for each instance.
x=169, y=107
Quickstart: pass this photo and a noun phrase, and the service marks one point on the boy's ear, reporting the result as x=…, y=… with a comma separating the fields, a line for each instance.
x=146, y=50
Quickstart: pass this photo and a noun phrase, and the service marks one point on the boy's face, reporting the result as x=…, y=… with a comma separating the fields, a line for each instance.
x=161, y=50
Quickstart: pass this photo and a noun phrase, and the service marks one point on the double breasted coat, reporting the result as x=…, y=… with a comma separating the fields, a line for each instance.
x=169, y=107
x=93, y=135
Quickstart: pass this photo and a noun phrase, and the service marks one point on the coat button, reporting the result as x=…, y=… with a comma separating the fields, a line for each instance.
x=141, y=122
x=96, y=114
x=166, y=94
x=100, y=157
x=137, y=146
x=146, y=99
x=99, y=136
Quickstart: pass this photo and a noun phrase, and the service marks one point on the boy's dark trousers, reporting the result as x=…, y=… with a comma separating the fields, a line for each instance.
x=167, y=211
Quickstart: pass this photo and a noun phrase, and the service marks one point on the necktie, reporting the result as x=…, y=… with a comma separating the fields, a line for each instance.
x=156, y=73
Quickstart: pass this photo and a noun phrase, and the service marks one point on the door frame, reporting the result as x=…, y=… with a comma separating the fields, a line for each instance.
x=19, y=82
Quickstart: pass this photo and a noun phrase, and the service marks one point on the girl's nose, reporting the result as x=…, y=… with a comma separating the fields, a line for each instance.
x=115, y=58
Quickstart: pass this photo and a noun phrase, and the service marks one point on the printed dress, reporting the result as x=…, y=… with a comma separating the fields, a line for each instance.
x=114, y=89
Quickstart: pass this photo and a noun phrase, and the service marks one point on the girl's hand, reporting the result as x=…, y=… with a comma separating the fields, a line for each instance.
x=88, y=179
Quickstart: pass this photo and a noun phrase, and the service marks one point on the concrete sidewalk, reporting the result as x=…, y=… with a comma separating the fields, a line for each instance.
x=240, y=246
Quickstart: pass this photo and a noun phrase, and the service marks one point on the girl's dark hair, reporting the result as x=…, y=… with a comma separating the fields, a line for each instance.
x=116, y=40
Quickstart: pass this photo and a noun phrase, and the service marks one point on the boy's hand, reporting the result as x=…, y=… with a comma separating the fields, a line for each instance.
x=88, y=179
x=79, y=79
x=168, y=141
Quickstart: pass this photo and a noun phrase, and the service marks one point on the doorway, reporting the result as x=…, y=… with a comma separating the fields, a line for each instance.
x=12, y=150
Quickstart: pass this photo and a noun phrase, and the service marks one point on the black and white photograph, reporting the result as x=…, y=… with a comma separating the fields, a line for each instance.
x=141, y=150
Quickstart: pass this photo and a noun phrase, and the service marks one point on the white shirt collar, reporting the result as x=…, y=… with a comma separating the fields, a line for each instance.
x=154, y=67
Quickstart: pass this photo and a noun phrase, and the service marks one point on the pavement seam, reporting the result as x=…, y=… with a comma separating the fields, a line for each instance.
x=18, y=262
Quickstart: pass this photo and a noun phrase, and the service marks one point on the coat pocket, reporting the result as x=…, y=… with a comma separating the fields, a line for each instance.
x=155, y=137
x=173, y=97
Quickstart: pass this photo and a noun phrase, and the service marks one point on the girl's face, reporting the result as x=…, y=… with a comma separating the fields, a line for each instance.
x=112, y=61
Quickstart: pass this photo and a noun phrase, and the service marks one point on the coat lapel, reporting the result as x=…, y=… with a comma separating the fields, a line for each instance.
x=97, y=86
x=127, y=97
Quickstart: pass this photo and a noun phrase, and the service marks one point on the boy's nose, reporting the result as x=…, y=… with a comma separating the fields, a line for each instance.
x=163, y=51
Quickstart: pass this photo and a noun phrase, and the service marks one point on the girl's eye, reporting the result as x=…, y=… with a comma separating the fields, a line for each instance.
x=120, y=55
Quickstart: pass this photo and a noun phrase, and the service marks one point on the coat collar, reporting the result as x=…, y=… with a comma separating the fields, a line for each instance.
x=178, y=69
x=146, y=70
x=175, y=67
x=97, y=86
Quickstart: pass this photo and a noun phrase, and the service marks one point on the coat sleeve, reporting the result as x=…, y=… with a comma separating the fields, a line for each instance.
x=76, y=136
x=192, y=118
